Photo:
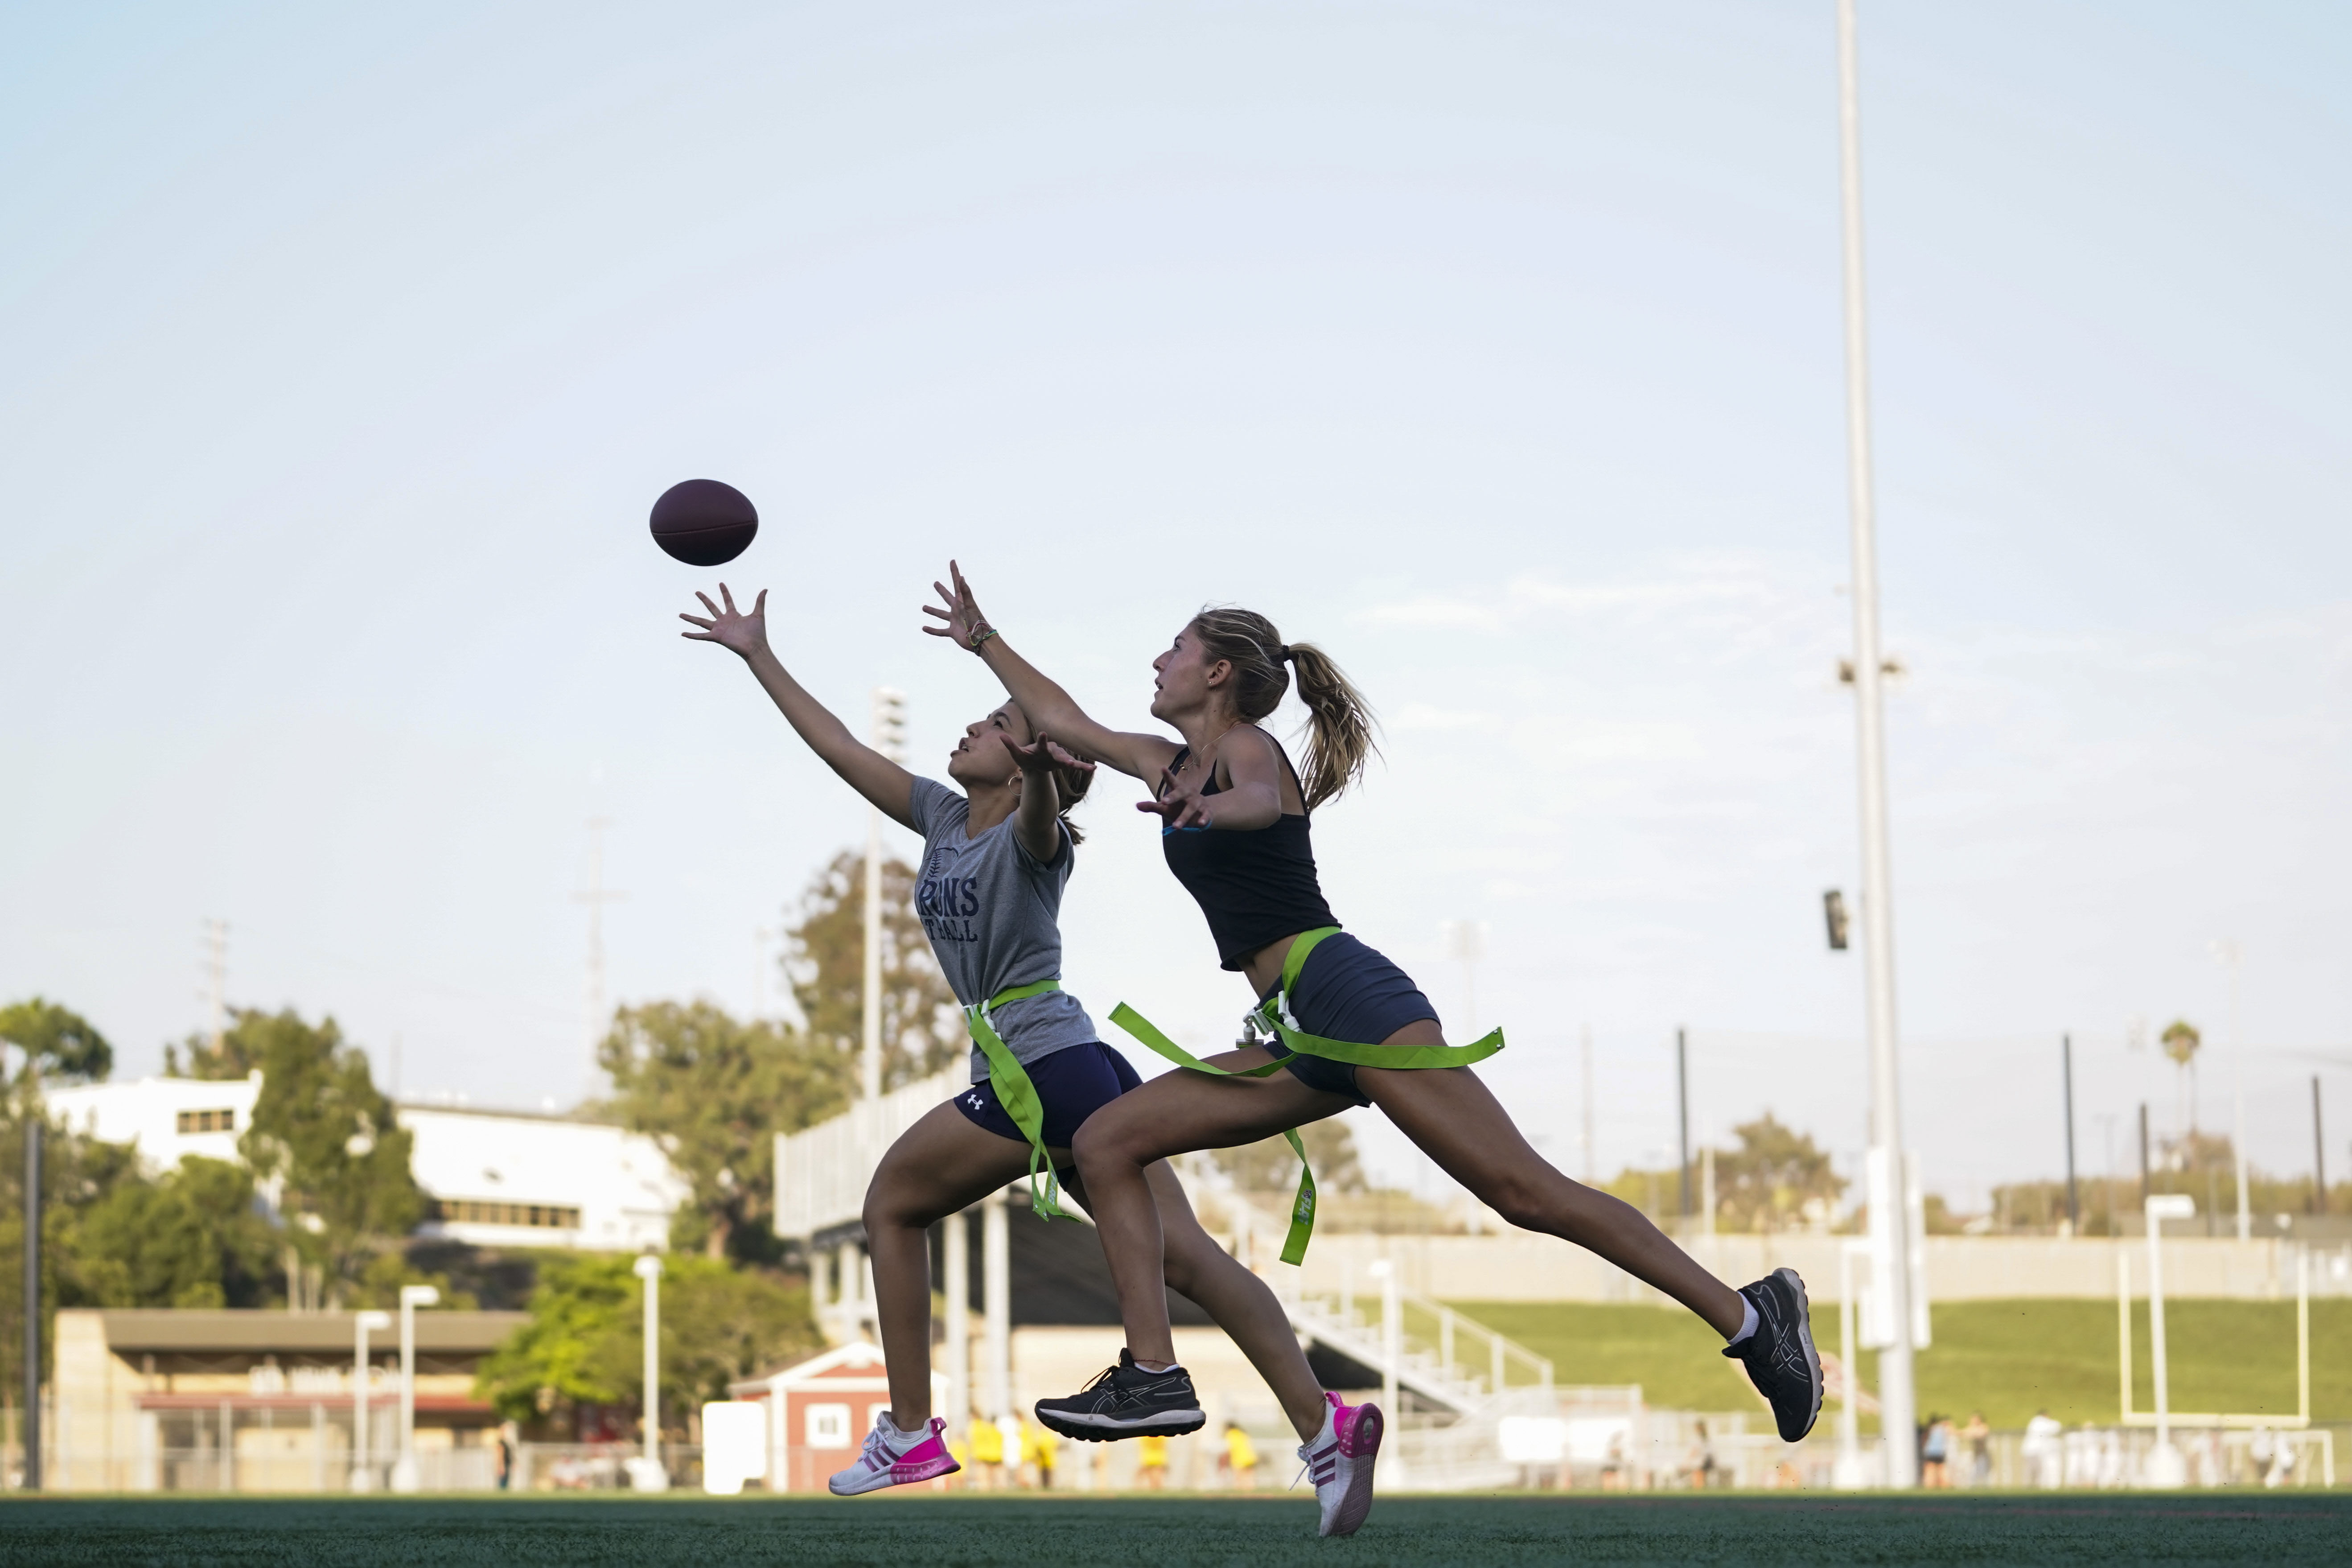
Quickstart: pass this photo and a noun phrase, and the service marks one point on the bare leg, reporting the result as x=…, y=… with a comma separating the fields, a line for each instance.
x=1456, y=1121
x=1242, y=1304
x=1174, y=1114
x=942, y=1165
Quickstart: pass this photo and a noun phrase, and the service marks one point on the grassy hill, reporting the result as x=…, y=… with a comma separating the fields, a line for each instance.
x=2007, y=1358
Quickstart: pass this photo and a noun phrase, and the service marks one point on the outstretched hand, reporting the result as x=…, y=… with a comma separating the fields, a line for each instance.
x=1180, y=804
x=1042, y=755
x=744, y=631
x=959, y=609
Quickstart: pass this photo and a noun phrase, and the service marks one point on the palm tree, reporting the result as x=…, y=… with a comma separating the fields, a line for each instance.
x=2180, y=1040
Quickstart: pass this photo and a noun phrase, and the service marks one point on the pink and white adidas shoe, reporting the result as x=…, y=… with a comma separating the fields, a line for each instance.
x=895, y=1459
x=1340, y=1461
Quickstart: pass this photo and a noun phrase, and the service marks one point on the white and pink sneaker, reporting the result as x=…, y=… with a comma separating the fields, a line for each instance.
x=1340, y=1461
x=895, y=1459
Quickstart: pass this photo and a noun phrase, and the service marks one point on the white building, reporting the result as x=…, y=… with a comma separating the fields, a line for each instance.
x=496, y=1178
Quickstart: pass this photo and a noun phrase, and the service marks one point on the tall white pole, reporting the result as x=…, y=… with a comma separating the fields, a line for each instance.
x=887, y=737
x=1895, y=1402
x=649, y=1269
x=955, y=1263
x=404, y=1473
x=361, y=1322
x=1584, y=1047
x=996, y=1303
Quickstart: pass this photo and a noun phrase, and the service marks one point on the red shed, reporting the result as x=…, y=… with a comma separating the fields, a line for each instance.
x=820, y=1409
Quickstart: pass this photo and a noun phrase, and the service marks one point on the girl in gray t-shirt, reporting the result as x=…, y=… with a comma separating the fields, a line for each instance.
x=995, y=860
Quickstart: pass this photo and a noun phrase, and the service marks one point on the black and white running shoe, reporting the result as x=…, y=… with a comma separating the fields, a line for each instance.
x=1779, y=1355
x=1127, y=1402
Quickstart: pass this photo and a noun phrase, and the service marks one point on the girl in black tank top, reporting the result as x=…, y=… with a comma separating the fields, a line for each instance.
x=1234, y=819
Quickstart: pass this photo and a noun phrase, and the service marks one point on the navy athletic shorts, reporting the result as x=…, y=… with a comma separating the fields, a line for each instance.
x=1347, y=991
x=1072, y=1085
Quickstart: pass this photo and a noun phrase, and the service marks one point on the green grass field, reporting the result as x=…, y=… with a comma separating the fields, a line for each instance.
x=2007, y=1359
x=1024, y=1532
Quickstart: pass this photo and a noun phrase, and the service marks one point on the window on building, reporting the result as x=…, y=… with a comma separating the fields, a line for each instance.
x=828, y=1425
x=484, y=1211
x=208, y=1121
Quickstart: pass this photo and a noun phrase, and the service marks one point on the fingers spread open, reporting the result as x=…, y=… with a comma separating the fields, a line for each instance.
x=705, y=601
x=729, y=598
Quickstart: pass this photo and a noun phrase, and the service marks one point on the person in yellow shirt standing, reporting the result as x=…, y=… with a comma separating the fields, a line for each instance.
x=987, y=1454
x=1152, y=1462
x=1039, y=1446
x=1241, y=1457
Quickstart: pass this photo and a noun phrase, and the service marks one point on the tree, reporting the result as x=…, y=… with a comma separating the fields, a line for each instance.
x=714, y=1092
x=2181, y=1041
x=923, y=1029
x=193, y=1238
x=585, y=1342
x=323, y=1137
x=1765, y=1184
x=1269, y=1167
x=57, y=1042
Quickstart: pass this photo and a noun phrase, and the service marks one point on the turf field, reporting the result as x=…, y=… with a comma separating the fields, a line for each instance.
x=1022, y=1532
x=2007, y=1359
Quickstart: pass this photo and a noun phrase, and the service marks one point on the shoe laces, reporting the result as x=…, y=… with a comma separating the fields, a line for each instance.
x=876, y=1444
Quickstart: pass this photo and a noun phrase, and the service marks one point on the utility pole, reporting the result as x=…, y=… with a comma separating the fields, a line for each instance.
x=2228, y=952
x=1897, y=1406
x=32, y=1303
x=2144, y=1187
x=596, y=896
x=1584, y=1042
x=2074, y=1199
x=889, y=738
x=2318, y=1153
x=214, y=993
x=1682, y=1116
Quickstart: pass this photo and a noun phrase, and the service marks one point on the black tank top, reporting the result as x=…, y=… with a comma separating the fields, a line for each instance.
x=1255, y=886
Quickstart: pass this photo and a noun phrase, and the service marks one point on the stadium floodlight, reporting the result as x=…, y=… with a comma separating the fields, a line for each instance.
x=363, y=1325
x=403, y=1470
x=1833, y=911
x=1896, y=1401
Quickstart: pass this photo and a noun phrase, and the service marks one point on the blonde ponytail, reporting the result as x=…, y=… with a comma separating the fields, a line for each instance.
x=1340, y=722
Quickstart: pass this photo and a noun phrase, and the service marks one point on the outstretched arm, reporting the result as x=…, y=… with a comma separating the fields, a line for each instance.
x=890, y=787
x=1045, y=704
x=1036, y=822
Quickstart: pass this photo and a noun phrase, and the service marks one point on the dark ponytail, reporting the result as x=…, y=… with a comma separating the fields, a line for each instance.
x=1340, y=724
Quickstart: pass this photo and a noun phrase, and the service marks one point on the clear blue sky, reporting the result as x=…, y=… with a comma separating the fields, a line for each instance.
x=1494, y=347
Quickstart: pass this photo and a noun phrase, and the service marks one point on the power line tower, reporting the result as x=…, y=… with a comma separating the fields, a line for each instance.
x=889, y=738
x=595, y=895
x=215, y=988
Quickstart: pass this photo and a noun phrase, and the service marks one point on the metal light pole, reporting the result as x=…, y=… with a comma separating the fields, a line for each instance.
x=1897, y=1405
x=890, y=737
x=32, y=1299
x=403, y=1471
x=651, y=1476
x=362, y=1323
x=2073, y=1195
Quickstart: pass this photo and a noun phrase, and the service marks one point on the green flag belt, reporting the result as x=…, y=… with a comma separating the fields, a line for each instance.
x=1015, y=1093
x=1274, y=1017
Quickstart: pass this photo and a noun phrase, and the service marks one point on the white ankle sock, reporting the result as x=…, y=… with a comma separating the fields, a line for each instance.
x=1746, y=1324
x=892, y=1422
x=1159, y=1371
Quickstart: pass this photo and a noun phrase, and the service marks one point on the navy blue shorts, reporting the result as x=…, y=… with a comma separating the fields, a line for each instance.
x=1347, y=991
x=1072, y=1085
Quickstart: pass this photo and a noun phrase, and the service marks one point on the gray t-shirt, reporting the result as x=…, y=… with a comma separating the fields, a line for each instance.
x=992, y=911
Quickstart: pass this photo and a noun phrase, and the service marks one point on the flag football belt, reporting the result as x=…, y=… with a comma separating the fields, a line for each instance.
x=1274, y=1017
x=1015, y=1093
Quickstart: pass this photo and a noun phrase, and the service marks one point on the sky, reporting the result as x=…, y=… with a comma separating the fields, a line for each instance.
x=1495, y=347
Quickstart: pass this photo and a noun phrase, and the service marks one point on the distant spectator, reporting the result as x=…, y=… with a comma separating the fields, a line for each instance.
x=1016, y=1453
x=1152, y=1462
x=1935, y=1451
x=2042, y=1450
x=1980, y=1437
x=987, y=1454
x=1040, y=1447
x=1240, y=1457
